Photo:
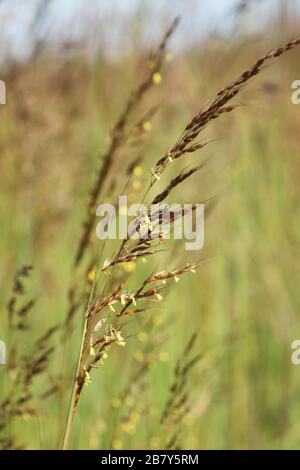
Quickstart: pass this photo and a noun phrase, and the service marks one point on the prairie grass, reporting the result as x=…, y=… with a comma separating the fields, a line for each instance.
x=242, y=303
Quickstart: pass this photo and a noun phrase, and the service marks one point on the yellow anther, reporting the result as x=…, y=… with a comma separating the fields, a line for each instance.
x=157, y=78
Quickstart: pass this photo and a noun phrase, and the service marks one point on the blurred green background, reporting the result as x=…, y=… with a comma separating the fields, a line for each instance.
x=244, y=300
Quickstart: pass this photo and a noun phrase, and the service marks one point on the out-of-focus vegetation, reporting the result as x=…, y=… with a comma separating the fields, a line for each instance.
x=244, y=300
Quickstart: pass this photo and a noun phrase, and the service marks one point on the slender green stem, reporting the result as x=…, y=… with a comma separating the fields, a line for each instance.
x=74, y=397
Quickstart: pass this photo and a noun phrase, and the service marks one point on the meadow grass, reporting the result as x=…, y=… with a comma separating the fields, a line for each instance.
x=243, y=303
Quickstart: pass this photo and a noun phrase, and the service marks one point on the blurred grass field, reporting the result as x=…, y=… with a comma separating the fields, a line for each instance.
x=243, y=302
